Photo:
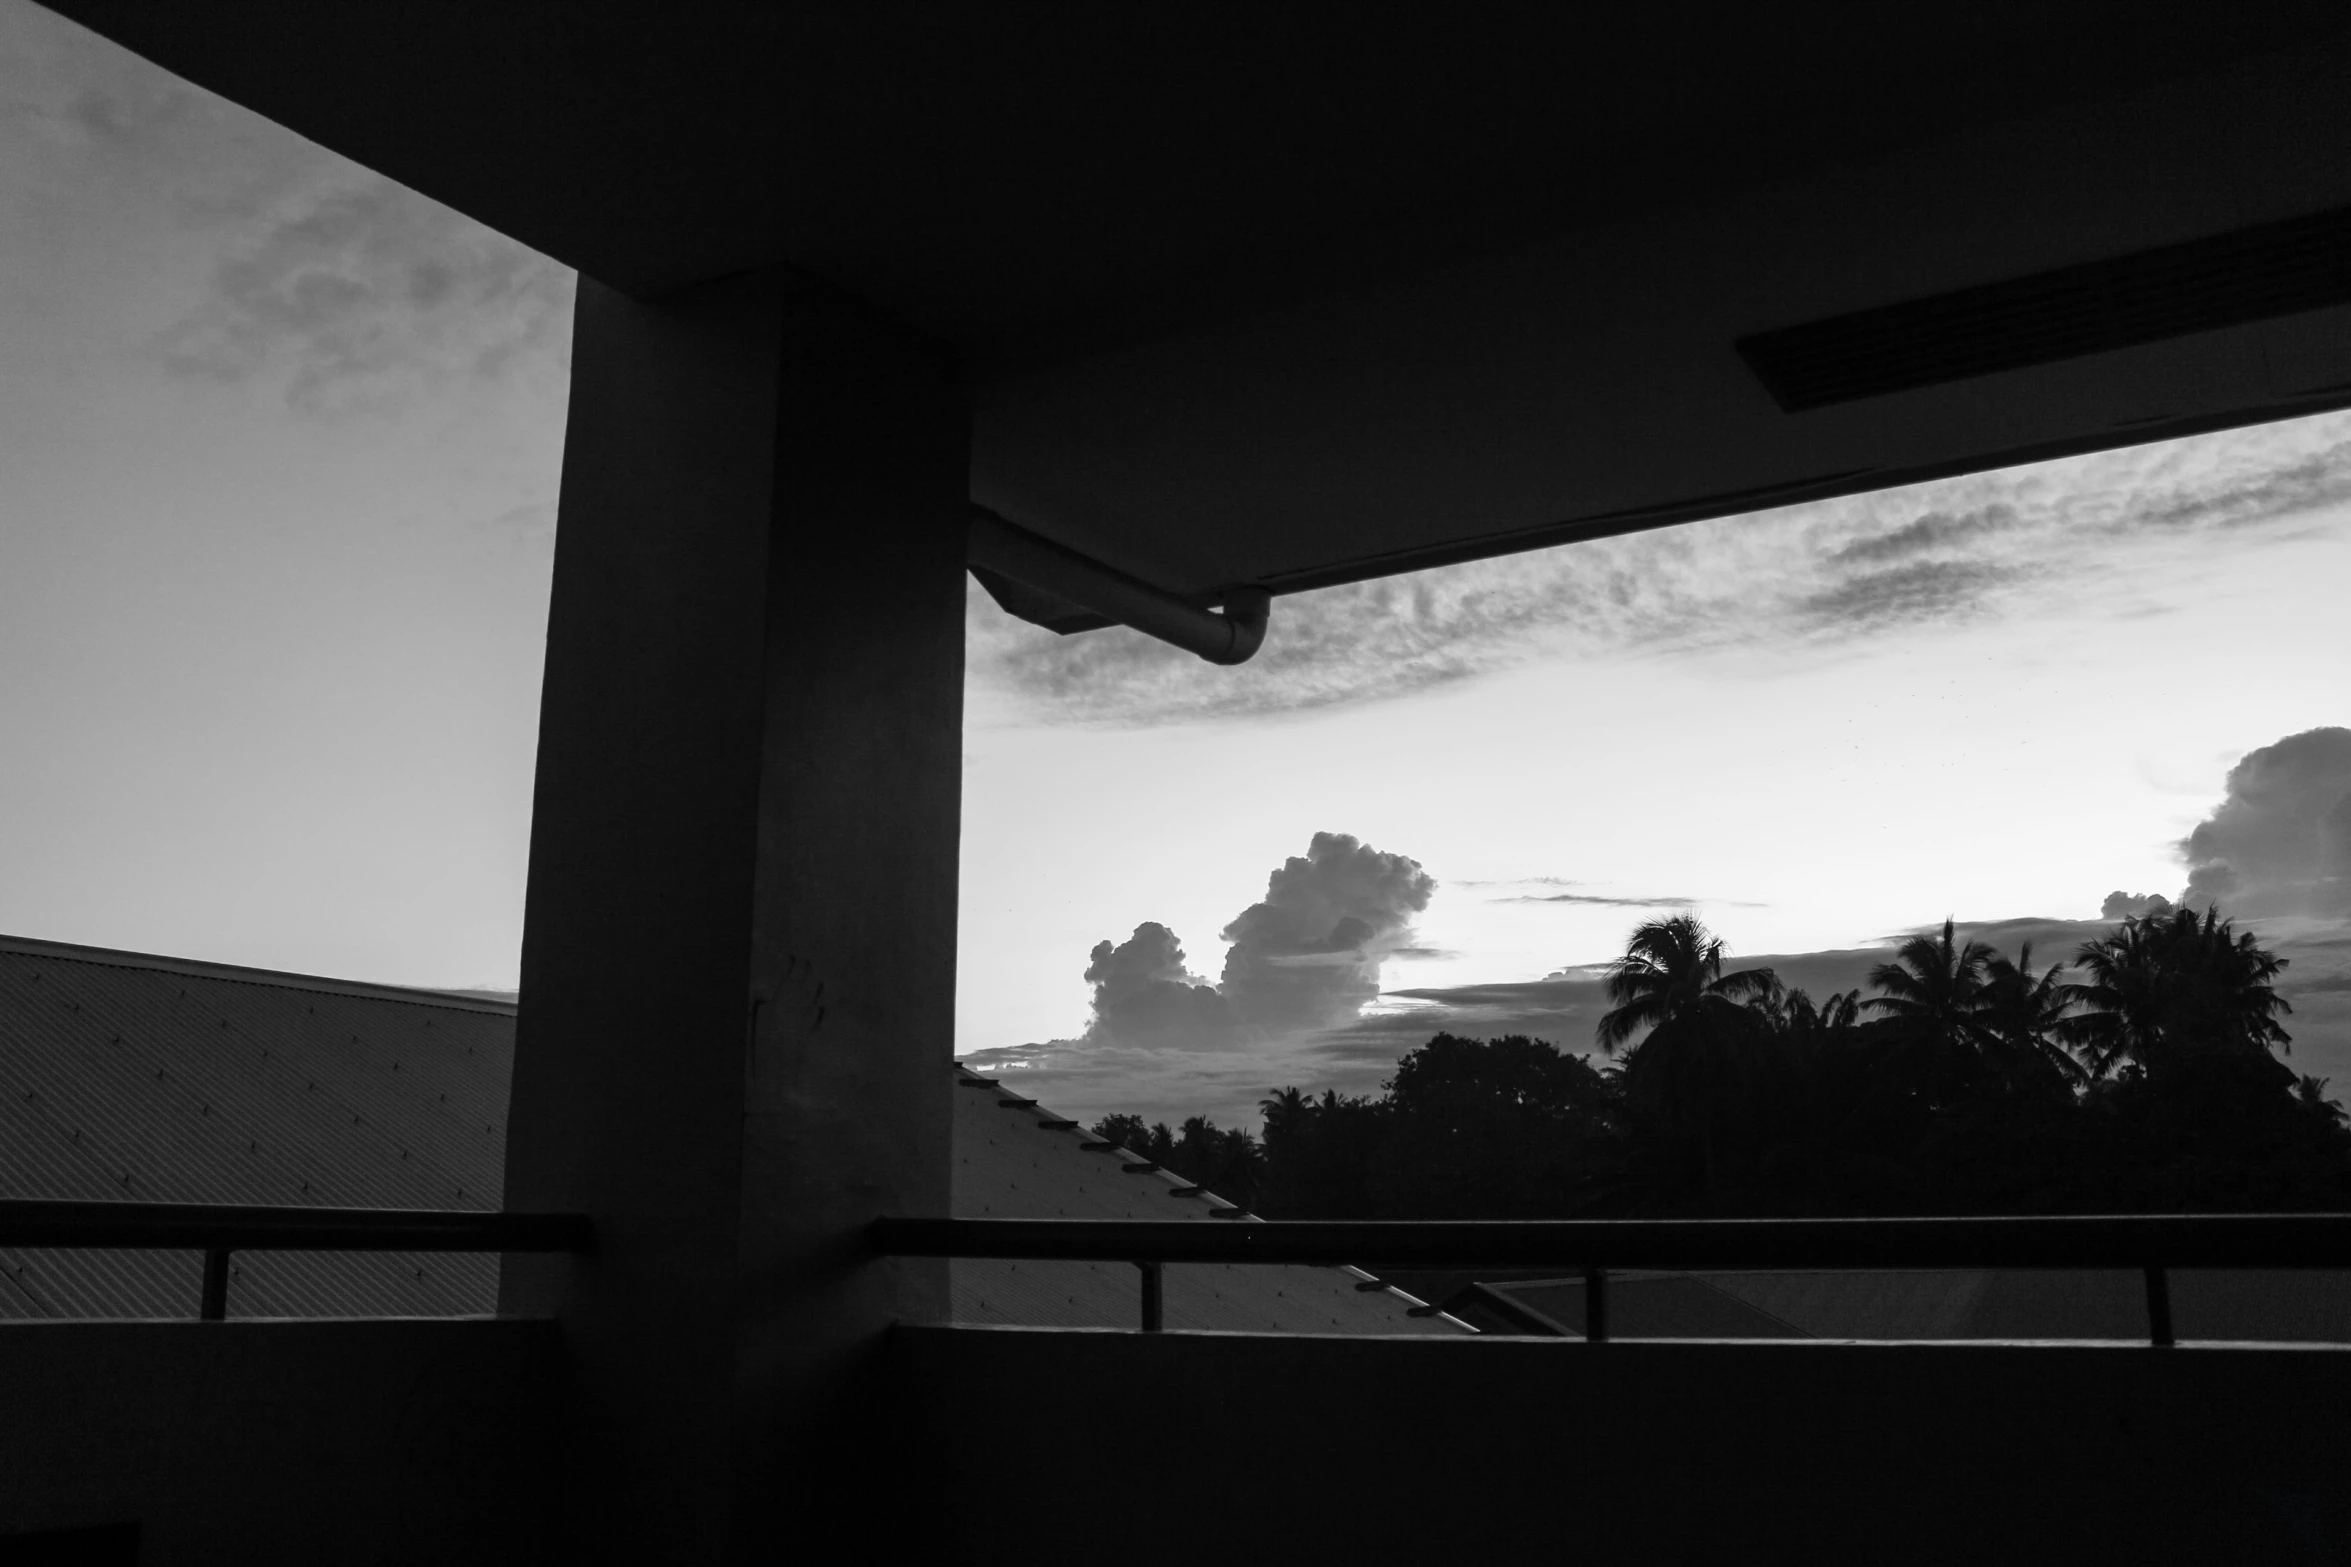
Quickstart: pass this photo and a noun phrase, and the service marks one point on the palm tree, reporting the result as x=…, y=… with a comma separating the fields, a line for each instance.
x=1935, y=986
x=1286, y=1110
x=2311, y=1094
x=2169, y=983
x=2022, y=1019
x=1672, y=967
x=1795, y=1016
x=1701, y=1023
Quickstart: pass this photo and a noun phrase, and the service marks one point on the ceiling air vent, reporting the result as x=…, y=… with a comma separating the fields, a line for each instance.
x=2250, y=274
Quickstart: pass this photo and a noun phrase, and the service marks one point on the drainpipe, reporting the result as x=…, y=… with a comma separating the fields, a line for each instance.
x=1227, y=637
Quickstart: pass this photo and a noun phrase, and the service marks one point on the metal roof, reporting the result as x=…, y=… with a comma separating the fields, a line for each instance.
x=124, y=1075
x=1015, y=1159
x=1264, y=297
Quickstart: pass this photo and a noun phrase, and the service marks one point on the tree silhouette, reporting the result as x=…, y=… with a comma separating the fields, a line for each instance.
x=1502, y=1128
x=1742, y=1098
x=2311, y=1094
x=1287, y=1112
x=1796, y=1017
x=1227, y=1162
x=2171, y=984
x=1672, y=967
x=1705, y=1028
x=1934, y=988
x=2020, y=1024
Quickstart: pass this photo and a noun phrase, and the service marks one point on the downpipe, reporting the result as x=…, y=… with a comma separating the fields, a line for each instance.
x=1231, y=635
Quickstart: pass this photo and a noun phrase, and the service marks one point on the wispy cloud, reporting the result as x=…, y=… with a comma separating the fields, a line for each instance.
x=1598, y=901
x=1917, y=592
x=352, y=293
x=1826, y=574
x=316, y=279
x=1933, y=530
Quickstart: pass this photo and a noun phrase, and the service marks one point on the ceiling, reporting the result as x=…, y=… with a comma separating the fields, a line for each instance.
x=1293, y=295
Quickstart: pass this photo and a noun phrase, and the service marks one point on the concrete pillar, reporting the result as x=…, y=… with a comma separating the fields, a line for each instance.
x=739, y=953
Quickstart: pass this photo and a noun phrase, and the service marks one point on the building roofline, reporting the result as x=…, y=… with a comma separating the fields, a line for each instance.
x=972, y=1077
x=196, y=968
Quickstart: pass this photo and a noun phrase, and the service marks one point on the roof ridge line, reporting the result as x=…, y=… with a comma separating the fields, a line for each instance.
x=278, y=979
x=1013, y=1095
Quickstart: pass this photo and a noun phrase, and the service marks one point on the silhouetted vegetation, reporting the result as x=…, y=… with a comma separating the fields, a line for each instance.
x=1966, y=1082
x=1227, y=1162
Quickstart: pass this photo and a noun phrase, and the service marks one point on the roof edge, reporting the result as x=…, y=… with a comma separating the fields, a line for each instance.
x=197, y=968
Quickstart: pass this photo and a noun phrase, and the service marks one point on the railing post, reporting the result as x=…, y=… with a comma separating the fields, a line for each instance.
x=215, y=1307
x=1595, y=1305
x=1153, y=1301
x=2159, y=1308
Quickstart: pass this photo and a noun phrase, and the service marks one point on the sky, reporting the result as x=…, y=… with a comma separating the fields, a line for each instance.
x=281, y=442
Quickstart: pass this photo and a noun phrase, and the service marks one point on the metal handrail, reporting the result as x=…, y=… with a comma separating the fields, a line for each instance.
x=220, y=1229
x=2150, y=1244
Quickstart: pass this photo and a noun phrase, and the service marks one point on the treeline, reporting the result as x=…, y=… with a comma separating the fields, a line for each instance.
x=2142, y=1077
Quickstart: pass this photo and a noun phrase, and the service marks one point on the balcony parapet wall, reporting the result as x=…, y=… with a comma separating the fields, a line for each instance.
x=1336, y=1449
x=355, y=1441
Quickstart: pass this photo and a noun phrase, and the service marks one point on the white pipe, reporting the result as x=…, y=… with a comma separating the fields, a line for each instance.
x=1230, y=637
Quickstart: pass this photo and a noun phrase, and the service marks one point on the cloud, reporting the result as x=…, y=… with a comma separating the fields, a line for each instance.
x=1145, y=996
x=2314, y=483
x=1922, y=591
x=2280, y=841
x=2131, y=905
x=359, y=292
x=322, y=279
x=1304, y=958
x=1931, y=530
x=1598, y=901
x=1829, y=573
x=1308, y=954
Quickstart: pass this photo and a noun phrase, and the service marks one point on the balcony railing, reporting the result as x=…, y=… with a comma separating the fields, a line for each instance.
x=2151, y=1245
x=219, y=1231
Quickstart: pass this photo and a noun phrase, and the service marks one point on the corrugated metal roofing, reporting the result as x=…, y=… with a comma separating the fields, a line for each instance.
x=1016, y=1159
x=156, y=1079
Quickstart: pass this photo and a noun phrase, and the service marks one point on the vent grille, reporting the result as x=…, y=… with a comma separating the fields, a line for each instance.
x=2225, y=280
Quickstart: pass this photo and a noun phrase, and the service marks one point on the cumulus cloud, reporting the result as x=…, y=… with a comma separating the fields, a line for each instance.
x=2280, y=841
x=2132, y=905
x=1309, y=952
x=356, y=292
x=1146, y=996
x=1829, y=573
x=1304, y=958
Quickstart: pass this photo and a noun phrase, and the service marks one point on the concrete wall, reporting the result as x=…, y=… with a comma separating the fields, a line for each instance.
x=1193, y=1447
x=411, y=1440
